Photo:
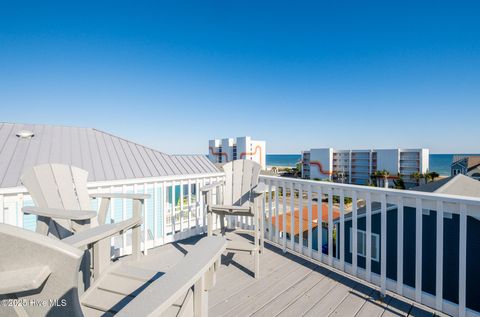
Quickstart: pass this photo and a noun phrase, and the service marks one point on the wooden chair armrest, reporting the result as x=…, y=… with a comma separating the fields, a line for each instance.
x=121, y=195
x=259, y=189
x=60, y=213
x=209, y=187
x=162, y=293
x=22, y=280
x=99, y=233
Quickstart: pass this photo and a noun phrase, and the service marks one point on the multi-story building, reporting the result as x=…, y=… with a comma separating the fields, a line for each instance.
x=357, y=166
x=229, y=149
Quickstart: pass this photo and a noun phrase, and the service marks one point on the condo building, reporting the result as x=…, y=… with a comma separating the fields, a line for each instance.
x=229, y=149
x=357, y=166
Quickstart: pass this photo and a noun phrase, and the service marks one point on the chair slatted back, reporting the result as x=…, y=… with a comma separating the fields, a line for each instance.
x=240, y=177
x=58, y=186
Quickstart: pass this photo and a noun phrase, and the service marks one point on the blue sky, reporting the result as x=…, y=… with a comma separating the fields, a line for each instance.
x=345, y=74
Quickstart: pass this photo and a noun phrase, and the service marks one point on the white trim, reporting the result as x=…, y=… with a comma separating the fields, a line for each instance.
x=362, y=251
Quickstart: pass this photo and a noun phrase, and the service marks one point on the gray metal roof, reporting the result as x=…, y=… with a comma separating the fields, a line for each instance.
x=454, y=185
x=103, y=155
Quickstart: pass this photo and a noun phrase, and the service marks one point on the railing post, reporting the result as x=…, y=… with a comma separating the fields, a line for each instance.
x=342, y=230
x=368, y=259
x=400, y=213
x=300, y=217
x=354, y=233
x=330, y=226
x=439, y=258
x=310, y=220
x=284, y=218
x=418, y=250
x=320, y=224
x=277, y=223
x=462, y=265
x=383, y=246
x=292, y=216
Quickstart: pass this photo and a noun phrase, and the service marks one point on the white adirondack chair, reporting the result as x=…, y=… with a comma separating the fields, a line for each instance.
x=62, y=201
x=39, y=277
x=239, y=195
x=62, y=206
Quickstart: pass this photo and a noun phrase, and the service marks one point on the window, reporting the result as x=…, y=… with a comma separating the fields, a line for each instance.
x=362, y=242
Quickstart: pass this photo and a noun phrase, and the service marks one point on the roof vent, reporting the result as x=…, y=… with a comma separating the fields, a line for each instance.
x=25, y=134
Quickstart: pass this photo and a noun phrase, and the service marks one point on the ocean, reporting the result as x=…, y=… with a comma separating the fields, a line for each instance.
x=439, y=163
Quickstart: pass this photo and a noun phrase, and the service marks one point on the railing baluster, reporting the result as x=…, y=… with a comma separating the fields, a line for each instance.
x=330, y=226
x=418, y=250
x=124, y=216
x=310, y=220
x=164, y=212
x=383, y=245
x=264, y=218
x=368, y=259
x=197, y=205
x=320, y=223
x=277, y=225
x=300, y=217
x=342, y=230
x=439, y=258
x=189, y=203
x=181, y=205
x=173, y=217
x=462, y=265
x=145, y=221
x=400, y=245
x=155, y=213
x=292, y=217
x=284, y=217
x=270, y=224
x=354, y=233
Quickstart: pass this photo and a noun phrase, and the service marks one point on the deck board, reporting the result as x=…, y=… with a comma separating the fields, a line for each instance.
x=289, y=285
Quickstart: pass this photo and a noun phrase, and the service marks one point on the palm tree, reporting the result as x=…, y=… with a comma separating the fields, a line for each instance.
x=399, y=183
x=382, y=174
x=417, y=176
x=430, y=176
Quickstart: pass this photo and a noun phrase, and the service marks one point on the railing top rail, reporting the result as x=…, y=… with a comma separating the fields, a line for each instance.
x=120, y=182
x=456, y=199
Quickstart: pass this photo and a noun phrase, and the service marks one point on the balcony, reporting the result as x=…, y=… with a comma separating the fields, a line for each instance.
x=314, y=273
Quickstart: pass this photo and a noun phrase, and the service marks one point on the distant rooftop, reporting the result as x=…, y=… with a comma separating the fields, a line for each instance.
x=103, y=155
x=453, y=185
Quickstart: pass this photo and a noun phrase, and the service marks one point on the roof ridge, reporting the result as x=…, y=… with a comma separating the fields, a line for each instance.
x=129, y=141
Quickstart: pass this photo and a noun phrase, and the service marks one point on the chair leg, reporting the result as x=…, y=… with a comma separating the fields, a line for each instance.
x=209, y=224
x=223, y=228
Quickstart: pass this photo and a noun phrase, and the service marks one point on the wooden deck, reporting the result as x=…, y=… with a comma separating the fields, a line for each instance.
x=288, y=286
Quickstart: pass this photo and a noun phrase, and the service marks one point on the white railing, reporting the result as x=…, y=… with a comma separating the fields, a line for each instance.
x=292, y=193
x=174, y=211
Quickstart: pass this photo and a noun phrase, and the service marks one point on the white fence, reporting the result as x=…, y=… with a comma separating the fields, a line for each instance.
x=292, y=193
x=176, y=211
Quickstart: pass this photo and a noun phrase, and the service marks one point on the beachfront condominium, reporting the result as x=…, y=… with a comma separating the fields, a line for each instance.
x=357, y=166
x=229, y=149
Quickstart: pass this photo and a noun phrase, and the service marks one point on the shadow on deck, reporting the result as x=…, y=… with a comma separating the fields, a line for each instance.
x=290, y=285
